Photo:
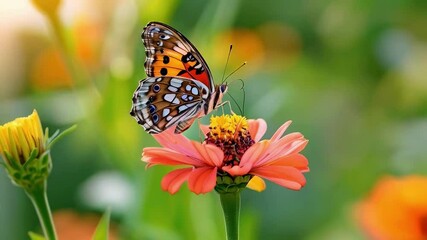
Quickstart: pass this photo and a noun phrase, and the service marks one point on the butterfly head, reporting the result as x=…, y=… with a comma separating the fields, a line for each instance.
x=223, y=88
x=220, y=90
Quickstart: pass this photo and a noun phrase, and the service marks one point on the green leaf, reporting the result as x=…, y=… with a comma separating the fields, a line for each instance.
x=32, y=158
x=57, y=135
x=36, y=236
x=12, y=163
x=101, y=232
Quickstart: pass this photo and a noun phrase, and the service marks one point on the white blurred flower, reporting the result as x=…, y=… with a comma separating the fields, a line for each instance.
x=107, y=189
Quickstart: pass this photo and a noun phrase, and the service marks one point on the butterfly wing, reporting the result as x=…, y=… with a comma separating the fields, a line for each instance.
x=161, y=102
x=169, y=53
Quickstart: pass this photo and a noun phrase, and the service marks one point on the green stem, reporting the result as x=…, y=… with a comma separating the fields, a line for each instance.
x=64, y=48
x=39, y=199
x=78, y=74
x=230, y=203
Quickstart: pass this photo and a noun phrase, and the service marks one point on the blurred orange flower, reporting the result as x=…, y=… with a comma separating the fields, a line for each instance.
x=396, y=209
x=283, y=45
x=72, y=226
x=89, y=36
x=49, y=71
x=247, y=47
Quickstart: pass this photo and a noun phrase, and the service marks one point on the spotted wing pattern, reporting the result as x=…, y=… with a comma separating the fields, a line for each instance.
x=161, y=102
x=169, y=53
x=179, y=87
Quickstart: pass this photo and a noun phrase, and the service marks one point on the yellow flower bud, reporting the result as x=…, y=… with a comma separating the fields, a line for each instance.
x=49, y=7
x=20, y=137
x=25, y=151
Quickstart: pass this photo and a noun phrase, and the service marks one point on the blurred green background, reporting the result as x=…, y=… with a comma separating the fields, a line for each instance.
x=352, y=75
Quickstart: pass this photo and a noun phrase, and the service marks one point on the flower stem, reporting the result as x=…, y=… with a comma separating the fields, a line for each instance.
x=39, y=199
x=230, y=203
x=78, y=75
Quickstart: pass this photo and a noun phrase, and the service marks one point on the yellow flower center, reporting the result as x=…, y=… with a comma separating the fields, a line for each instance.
x=231, y=134
x=20, y=136
x=228, y=127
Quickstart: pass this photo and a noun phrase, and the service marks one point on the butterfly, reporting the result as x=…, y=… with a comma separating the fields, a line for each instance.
x=179, y=87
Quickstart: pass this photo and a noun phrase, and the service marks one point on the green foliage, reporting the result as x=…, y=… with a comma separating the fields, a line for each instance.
x=228, y=184
x=36, y=236
x=349, y=74
x=102, y=230
x=58, y=135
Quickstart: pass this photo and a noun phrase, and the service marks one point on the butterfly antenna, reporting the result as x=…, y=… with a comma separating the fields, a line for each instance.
x=226, y=63
x=237, y=69
x=235, y=102
x=241, y=109
x=244, y=95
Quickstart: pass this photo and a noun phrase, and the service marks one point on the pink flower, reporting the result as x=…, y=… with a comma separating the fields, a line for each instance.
x=233, y=150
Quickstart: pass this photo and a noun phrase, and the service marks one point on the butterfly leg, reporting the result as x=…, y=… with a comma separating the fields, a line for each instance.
x=184, y=125
x=229, y=105
x=201, y=133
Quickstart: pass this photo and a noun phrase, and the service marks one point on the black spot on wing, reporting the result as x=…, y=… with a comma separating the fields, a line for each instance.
x=155, y=118
x=156, y=88
x=164, y=71
x=188, y=58
x=166, y=59
x=151, y=99
x=199, y=71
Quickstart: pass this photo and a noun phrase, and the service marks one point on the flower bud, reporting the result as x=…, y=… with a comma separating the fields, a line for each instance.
x=23, y=148
x=48, y=7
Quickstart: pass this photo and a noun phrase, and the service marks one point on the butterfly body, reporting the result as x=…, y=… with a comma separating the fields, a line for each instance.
x=179, y=87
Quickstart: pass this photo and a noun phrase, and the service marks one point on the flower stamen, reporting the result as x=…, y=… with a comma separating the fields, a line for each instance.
x=230, y=133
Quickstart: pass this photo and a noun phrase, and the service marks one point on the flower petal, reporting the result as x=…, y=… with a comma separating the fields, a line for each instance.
x=255, y=152
x=257, y=128
x=288, y=177
x=291, y=137
x=165, y=156
x=297, y=161
x=295, y=147
x=202, y=180
x=238, y=170
x=256, y=184
x=278, y=134
x=210, y=154
x=172, y=181
x=177, y=142
x=281, y=148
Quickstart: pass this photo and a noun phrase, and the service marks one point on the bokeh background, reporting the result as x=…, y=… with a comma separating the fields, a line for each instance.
x=352, y=75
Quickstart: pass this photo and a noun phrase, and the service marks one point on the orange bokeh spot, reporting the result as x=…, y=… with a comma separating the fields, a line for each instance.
x=247, y=47
x=396, y=209
x=49, y=71
x=89, y=39
x=282, y=43
x=71, y=226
